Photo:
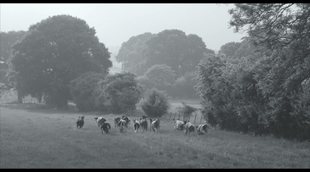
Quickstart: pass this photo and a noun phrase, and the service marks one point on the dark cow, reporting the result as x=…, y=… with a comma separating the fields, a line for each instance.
x=105, y=127
x=136, y=125
x=116, y=121
x=189, y=128
x=122, y=124
x=155, y=124
x=127, y=120
x=80, y=122
x=143, y=124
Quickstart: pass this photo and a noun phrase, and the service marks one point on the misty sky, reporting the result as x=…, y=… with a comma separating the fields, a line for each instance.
x=117, y=22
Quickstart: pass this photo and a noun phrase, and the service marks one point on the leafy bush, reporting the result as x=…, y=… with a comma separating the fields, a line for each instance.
x=118, y=93
x=155, y=104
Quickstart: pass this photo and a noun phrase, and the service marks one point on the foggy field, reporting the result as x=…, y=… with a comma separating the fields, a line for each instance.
x=35, y=137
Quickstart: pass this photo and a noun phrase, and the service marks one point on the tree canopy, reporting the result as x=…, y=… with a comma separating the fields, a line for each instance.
x=132, y=53
x=171, y=47
x=7, y=40
x=52, y=53
x=262, y=90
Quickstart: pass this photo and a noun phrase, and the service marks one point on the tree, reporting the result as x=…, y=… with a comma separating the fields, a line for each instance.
x=132, y=53
x=82, y=90
x=155, y=104
x=183, y=87
x=283, y=29
x=161, y=76
x=176, y=49
x=7, y=40
x=171, y=47
x=229, y=49
x=118, y=93
x=54, y=52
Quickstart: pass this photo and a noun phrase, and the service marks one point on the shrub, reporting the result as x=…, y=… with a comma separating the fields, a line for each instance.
x=155, y=104
x=118, y=93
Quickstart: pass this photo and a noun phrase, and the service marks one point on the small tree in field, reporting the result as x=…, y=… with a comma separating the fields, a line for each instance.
x=117, y=93
x=155, y=104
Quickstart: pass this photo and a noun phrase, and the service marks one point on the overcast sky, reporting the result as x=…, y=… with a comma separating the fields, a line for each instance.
x=116, y=23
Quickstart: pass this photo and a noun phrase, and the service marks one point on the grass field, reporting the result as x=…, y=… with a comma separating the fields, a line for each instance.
x=35, y=137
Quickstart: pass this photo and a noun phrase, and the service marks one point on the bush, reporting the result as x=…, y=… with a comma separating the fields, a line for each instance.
x=118, y=93
x=155, y=104
x=82, y=89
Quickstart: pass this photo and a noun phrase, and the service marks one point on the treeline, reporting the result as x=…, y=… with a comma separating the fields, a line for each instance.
x=60, y=59
x=263, y=89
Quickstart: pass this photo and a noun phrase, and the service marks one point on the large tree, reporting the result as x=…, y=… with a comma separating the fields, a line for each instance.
x=171, y=47
x=161, y=76
x=229, y=49
x=271, y=92
x=7, y=40
x=176, y=49
x=53, y=52
x=132, y=53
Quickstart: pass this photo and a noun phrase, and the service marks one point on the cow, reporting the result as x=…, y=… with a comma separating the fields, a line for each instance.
x=127, y=120
x=105, y=127
x=179, y=125
x=155, y=124
x=116, y=121
x=100, y=120
x=122, y=124
x=143, y=123
x=80, y=122
x=202, y=129
x=136, y=125
x=189, y=128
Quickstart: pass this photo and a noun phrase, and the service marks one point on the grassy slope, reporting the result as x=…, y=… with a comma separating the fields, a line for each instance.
x=48, y=139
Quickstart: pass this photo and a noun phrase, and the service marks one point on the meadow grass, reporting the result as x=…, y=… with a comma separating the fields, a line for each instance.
x=36, y=137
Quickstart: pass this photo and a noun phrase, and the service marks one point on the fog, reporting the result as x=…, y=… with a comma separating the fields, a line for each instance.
x=116, y=23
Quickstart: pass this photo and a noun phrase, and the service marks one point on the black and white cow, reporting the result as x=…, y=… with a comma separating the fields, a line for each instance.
x=189, y=128
x=116, y=121
x=202, y=129
x=136, y=125
x=155, y=124
x=122, y=124
x=143, y=123
x=100, y=120
x=80, y=122
x=127, y=121
x=105, y=127
x=179, y=124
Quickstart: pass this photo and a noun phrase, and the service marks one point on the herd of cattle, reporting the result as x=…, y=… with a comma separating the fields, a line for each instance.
x=123, y=123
